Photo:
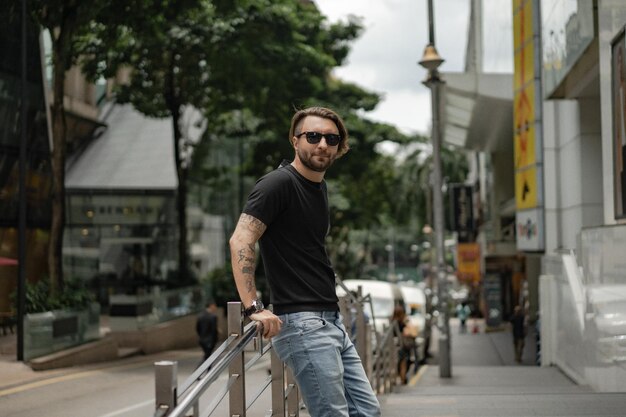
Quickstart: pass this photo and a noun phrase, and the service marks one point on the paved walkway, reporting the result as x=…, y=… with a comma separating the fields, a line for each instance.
x=486, y=382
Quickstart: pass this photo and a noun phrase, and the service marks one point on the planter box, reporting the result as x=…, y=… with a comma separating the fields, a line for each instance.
x=135, y=312
x=52, y=331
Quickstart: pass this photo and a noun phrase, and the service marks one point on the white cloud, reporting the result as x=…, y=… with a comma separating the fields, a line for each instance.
x=384, y=59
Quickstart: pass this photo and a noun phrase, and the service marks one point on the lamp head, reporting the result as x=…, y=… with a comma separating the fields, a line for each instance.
x=431, y=59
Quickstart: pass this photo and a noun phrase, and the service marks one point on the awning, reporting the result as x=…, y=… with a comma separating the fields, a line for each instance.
x=8, y=261
x=478, y=111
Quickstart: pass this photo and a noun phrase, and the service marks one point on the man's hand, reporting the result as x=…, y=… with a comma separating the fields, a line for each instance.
x=270, y=322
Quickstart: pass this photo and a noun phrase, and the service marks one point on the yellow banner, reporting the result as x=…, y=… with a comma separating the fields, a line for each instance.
x=522, y=24
x=524, y=66
x=524, y=126
x=468, y=262
x=526, y=188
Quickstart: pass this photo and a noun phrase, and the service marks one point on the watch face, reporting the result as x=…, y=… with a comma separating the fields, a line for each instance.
x=256, y=306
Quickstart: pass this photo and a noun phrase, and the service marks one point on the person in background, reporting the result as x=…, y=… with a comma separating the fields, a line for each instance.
x=463, y=312
x=206, y=328
x=406, y=346
x=287, y=214
x=518, y=324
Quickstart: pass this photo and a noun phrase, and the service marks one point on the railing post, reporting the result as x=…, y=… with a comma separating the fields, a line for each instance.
x=237, y=395
x=278, y=385
x=166, y=385
x=362, y=334
x=293, y=397
x=345, y=309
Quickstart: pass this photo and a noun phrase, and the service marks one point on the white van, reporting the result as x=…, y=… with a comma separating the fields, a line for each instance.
x=385, y=296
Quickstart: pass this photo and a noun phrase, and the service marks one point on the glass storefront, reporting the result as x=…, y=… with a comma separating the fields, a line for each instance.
x=38, y=180
x=121, y=243
x=567, y=32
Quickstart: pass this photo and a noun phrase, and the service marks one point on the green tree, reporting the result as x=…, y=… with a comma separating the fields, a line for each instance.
x=261, y=55
x=66, y=21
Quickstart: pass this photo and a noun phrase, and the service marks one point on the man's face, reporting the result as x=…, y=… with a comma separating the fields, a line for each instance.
x=320, y=156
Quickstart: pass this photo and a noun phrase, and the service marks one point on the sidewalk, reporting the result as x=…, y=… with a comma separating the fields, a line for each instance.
x=486, y=382
x=14, y=372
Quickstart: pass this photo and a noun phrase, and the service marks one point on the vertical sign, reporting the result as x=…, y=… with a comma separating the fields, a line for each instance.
x=462, y=211
x=493, y=300
x=468, y=263
x=528, y=148
x=618, y=67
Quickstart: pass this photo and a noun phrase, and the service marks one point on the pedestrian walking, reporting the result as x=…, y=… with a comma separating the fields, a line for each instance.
x=462, y=313
x=518, y=323
x=287, y=214
x=407, y=342
x=206, y=328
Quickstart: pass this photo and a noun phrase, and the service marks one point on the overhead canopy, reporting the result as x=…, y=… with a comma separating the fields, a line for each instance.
x=135, y=152
x=478, y=111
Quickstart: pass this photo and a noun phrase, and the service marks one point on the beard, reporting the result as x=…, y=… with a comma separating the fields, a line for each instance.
x=317, y=163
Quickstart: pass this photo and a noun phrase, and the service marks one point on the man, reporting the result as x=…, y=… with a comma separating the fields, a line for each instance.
x=287, y=213
x=518, y=323
x=206, y=328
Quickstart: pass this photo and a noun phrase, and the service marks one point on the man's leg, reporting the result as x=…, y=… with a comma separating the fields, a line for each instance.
x=311, y=346
x=362, y=401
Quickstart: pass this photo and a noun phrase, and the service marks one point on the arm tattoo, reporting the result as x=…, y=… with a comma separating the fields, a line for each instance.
x=254, y=225
x=248, y=232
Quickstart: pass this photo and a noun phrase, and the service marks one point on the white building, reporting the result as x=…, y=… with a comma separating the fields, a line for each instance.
x=551, y=144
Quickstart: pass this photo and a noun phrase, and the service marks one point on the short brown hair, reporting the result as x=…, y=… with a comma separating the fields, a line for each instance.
x=298, y=119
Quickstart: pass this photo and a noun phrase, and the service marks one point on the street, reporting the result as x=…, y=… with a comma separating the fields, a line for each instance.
x=122, y=388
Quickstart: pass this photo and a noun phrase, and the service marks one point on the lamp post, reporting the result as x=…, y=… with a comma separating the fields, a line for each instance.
x=431, y=61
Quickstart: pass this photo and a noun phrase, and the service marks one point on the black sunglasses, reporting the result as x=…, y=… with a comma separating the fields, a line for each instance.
x=315, y=137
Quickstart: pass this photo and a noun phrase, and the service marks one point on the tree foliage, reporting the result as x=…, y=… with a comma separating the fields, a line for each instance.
x=221, y=57
x=66, y=21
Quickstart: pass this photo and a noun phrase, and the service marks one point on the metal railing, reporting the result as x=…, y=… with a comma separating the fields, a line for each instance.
x=174, y=401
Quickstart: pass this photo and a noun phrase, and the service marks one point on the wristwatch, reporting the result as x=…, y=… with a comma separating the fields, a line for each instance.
x=257, y=306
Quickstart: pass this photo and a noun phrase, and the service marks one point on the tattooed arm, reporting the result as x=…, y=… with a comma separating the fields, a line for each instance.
x=243, y=253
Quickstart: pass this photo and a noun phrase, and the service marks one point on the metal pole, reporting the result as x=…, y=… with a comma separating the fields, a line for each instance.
x=442, y=284
x=431, y=61
x=21, y=268
x=431, y=23
x=166, y=385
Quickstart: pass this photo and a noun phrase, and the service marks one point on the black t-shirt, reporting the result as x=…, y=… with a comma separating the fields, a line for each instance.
x=295, y=211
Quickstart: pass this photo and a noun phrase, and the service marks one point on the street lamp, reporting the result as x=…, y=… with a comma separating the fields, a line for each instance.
x=431, y=60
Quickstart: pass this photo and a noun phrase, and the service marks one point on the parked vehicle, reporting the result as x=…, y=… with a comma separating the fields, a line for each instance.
x=385, y=296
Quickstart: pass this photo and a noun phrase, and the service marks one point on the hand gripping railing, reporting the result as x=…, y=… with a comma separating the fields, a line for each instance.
x=285, y=396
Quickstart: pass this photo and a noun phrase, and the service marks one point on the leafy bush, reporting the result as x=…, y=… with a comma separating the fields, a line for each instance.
x=38, y=298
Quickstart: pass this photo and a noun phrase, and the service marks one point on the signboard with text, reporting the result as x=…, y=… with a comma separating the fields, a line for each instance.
x=529, y=229
x=468, y=262
x=462, y=212
x=527, y=138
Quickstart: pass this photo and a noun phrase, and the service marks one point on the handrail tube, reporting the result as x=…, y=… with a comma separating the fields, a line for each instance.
x=196, y=391
x=205, y=365
x=256, y=396
x=219, y=397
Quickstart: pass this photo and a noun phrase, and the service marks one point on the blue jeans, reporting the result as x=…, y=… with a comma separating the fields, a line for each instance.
x=326, y=365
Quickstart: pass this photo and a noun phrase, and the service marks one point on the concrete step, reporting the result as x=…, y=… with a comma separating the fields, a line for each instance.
x=98, y=351
x=128, y=352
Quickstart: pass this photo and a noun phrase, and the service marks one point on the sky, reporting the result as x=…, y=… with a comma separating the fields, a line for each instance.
x=385, y=58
